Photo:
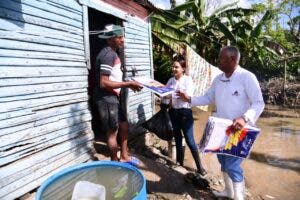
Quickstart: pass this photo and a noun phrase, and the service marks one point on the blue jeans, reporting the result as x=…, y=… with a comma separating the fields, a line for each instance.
x=232, y=166
x=183, y=122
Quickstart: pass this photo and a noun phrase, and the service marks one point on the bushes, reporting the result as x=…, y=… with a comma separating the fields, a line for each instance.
x=273, y=92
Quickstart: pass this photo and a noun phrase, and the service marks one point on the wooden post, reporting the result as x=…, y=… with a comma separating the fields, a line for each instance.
x=284, y=81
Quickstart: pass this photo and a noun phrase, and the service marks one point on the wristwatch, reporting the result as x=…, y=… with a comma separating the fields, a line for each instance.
x=189, y=99
x=245, y=118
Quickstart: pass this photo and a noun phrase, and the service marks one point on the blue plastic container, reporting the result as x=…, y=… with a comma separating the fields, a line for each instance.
x=121, y=181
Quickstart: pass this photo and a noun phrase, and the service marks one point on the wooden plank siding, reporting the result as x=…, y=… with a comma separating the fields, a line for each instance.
x=45, y=121
x=44, y=116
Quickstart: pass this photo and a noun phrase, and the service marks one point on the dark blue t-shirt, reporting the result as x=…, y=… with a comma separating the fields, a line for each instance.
x=108, y=63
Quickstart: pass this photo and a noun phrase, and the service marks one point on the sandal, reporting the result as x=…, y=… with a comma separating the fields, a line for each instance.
x=134, y=161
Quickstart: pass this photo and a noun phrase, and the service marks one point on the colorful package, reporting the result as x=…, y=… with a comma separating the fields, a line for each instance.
x=219, y=138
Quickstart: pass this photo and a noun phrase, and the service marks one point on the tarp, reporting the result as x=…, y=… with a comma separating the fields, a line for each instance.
x=201, y=72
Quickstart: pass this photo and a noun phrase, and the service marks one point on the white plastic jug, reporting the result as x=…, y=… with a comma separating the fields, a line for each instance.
x=85, y=190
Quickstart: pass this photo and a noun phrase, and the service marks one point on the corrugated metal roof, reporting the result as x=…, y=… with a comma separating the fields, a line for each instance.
x=147, y=4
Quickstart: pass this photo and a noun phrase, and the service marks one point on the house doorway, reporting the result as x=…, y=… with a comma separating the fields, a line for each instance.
x=97, y=21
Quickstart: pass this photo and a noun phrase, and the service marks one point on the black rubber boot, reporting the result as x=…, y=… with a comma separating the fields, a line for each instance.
x=180, y=156
x=200, y=168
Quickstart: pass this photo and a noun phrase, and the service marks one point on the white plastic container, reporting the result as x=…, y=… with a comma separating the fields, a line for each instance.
x=85, y=190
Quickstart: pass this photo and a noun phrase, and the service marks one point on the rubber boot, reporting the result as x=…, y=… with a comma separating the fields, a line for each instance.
x=228, y=191
x=180, y=156
x=183, y=153
x=239, y=190
x=172, y=149
x=200, y=168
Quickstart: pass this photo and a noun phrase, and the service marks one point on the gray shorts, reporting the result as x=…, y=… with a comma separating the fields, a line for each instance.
x=110, y=114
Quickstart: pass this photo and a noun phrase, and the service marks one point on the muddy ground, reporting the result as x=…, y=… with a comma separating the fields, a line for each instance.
x=166, y=180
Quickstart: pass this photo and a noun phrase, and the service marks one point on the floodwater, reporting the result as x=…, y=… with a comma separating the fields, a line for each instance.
x=273, y=169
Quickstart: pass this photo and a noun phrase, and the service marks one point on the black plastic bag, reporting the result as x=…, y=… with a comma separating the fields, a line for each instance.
x=160, y=124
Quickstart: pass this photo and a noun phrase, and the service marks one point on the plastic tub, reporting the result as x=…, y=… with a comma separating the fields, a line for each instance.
x=120, y=180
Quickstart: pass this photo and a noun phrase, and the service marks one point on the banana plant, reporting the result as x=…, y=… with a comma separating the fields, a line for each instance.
x=187, y=24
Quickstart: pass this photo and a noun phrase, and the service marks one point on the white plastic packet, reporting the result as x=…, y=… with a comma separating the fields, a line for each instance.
x=85, y=190
x=120, y=188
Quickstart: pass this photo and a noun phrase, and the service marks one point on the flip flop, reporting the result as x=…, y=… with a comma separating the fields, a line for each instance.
x=134, y=161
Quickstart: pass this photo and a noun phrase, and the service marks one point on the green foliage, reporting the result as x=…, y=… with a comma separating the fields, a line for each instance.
x=257, y=31
x=286, y=40
x=259, y=41
x=162, y=67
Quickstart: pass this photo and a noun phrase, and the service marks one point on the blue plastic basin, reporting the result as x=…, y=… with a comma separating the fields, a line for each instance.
x=121, y=181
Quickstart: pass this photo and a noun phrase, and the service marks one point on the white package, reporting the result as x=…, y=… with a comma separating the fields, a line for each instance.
x=85, y=190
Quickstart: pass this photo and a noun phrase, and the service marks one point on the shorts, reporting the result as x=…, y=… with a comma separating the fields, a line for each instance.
x=110, y=114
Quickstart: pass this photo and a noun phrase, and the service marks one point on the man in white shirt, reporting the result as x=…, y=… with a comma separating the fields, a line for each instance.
x=237, y=96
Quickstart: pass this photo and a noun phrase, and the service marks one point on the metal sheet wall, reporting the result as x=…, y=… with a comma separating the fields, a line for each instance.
x=44, y=116
x=138, y=55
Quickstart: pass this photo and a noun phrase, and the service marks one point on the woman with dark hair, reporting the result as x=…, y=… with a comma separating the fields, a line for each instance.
x=181, y=113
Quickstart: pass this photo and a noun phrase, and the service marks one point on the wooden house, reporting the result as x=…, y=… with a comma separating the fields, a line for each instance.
x=47, y=59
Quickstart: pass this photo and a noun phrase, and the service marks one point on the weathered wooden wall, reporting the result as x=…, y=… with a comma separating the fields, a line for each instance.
x=44, y=116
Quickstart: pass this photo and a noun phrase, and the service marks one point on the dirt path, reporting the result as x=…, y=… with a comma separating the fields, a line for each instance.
x=164, y=179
